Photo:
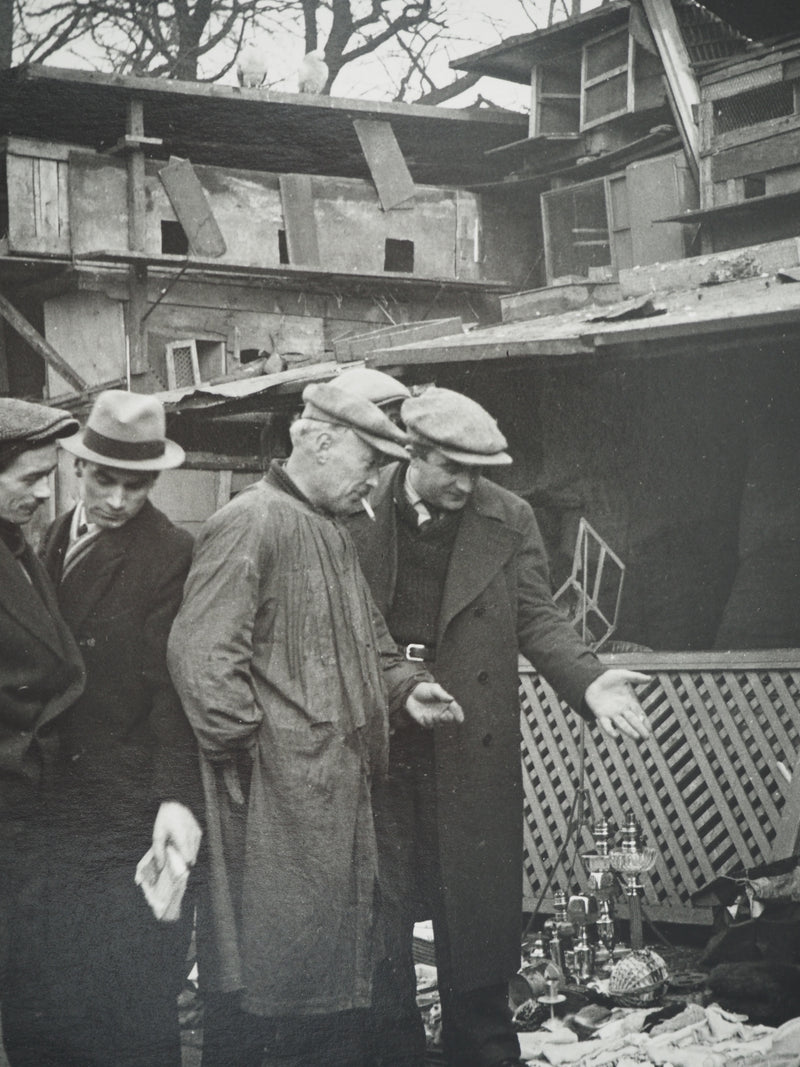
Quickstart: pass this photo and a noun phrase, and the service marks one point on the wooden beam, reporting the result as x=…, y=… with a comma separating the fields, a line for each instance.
x=137, y=229
x=190, y=204
x=684, y=90
x=299, y=223
x=386, y=163
x=17, y=321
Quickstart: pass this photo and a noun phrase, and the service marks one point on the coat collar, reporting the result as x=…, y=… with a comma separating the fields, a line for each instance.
x=87, y=581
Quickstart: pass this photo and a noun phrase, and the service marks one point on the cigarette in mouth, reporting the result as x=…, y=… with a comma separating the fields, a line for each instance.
x=368, y=508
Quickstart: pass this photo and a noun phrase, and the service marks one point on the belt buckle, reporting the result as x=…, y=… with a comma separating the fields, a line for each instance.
x=415, y=653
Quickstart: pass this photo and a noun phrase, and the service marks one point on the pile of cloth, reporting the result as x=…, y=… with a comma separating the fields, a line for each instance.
x=699, y=1036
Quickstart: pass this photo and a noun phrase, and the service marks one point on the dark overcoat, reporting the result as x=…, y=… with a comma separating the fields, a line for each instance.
x=125, y=744
x=41, y=674
x=496, y=603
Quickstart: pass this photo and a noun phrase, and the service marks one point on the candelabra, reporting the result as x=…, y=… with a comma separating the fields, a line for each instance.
x=631, y=860
x=601, y=883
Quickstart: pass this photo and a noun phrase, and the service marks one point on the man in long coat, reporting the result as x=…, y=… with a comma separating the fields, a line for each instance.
x=127, y=769
x=458, y=568
x=284, y=668
x=41, y=672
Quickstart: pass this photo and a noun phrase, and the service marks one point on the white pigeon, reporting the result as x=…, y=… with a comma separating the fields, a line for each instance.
x=312, y=74
x=251, y=67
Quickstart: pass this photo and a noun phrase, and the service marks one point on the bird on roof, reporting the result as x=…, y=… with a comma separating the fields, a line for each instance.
x=312, y=74
x=251, y=66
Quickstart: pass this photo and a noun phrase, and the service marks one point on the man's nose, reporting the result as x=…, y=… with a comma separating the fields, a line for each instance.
x=465, y=481
x=41, y=489
x=116, y=497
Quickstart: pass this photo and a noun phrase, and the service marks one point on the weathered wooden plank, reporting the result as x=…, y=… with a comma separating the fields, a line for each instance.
x=386, y=163
x=757, y=157
x=680, y=75
x=17, y=321
x=691, y=272
x=191, y=206
x=363, y=344
x=299, y=220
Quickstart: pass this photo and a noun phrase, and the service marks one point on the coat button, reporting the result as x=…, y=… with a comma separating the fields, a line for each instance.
x=487, y=740
x=480, y=612
x=483, y=677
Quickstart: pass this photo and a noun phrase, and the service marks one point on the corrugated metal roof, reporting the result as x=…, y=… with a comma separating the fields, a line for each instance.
x=206, y=395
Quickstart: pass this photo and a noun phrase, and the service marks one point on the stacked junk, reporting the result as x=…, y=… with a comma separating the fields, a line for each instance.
x=585, y=996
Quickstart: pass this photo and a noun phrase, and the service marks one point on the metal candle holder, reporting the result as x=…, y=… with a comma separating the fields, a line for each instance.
x=631, y=860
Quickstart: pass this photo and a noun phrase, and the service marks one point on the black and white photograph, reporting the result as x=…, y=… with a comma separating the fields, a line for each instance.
x=399, y=533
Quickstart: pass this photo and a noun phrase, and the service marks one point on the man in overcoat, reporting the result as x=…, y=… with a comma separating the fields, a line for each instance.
x=41, y=672
x=127, y=769
x=287, y=674
x=458, y=568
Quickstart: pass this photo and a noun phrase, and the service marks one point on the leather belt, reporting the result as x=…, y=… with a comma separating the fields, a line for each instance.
x=419, y=653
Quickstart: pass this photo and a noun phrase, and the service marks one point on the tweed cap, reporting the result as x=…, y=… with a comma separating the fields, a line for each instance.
x=373, y=385
x=455, y=425
x=22, y=422
x=328, y=403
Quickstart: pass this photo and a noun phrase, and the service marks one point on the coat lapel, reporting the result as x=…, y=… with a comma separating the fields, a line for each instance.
x=482, y=547
x=86, y=583
x=31, y=603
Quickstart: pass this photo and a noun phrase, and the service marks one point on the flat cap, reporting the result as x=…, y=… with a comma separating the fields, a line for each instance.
x=372, y=384
x=458, y=427
x=32, y=424
x=328, y=403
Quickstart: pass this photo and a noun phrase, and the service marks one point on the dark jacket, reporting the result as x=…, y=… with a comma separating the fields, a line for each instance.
x=125, y=744
x=41, y=674
x=496, y=603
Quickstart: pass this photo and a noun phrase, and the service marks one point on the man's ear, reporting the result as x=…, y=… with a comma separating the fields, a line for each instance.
x=322, y=445
x=79, y=465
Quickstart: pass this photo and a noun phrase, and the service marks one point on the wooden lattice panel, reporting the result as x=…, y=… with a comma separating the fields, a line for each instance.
x=705, y=790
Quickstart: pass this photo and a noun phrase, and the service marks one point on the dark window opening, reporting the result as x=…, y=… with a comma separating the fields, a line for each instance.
x=399, y=256
x=283, y=247
x=174, y=241
x=250, y=355
x=754, y=185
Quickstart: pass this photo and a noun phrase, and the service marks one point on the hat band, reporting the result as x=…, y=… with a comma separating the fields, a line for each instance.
x=114, y=449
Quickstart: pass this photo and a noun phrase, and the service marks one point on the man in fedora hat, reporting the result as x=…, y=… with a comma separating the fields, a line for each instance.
x=284, y=668
x=458, y=568
x=41, y=672
x=108, y=972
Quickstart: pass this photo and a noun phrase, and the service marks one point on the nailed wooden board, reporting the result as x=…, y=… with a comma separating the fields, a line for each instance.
x=385, y=160
x=190, y=204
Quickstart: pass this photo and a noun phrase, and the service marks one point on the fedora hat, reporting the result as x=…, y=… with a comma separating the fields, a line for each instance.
x=127, y=431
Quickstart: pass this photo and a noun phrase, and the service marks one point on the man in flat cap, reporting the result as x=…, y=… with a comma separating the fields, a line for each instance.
x=127, y=770
x=375, y=385
x=41, y=672
x=285, y=670
x=458, y=568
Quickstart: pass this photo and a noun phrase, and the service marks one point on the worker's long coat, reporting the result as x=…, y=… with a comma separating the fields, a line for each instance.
x=496, y=603
x=277, y=654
